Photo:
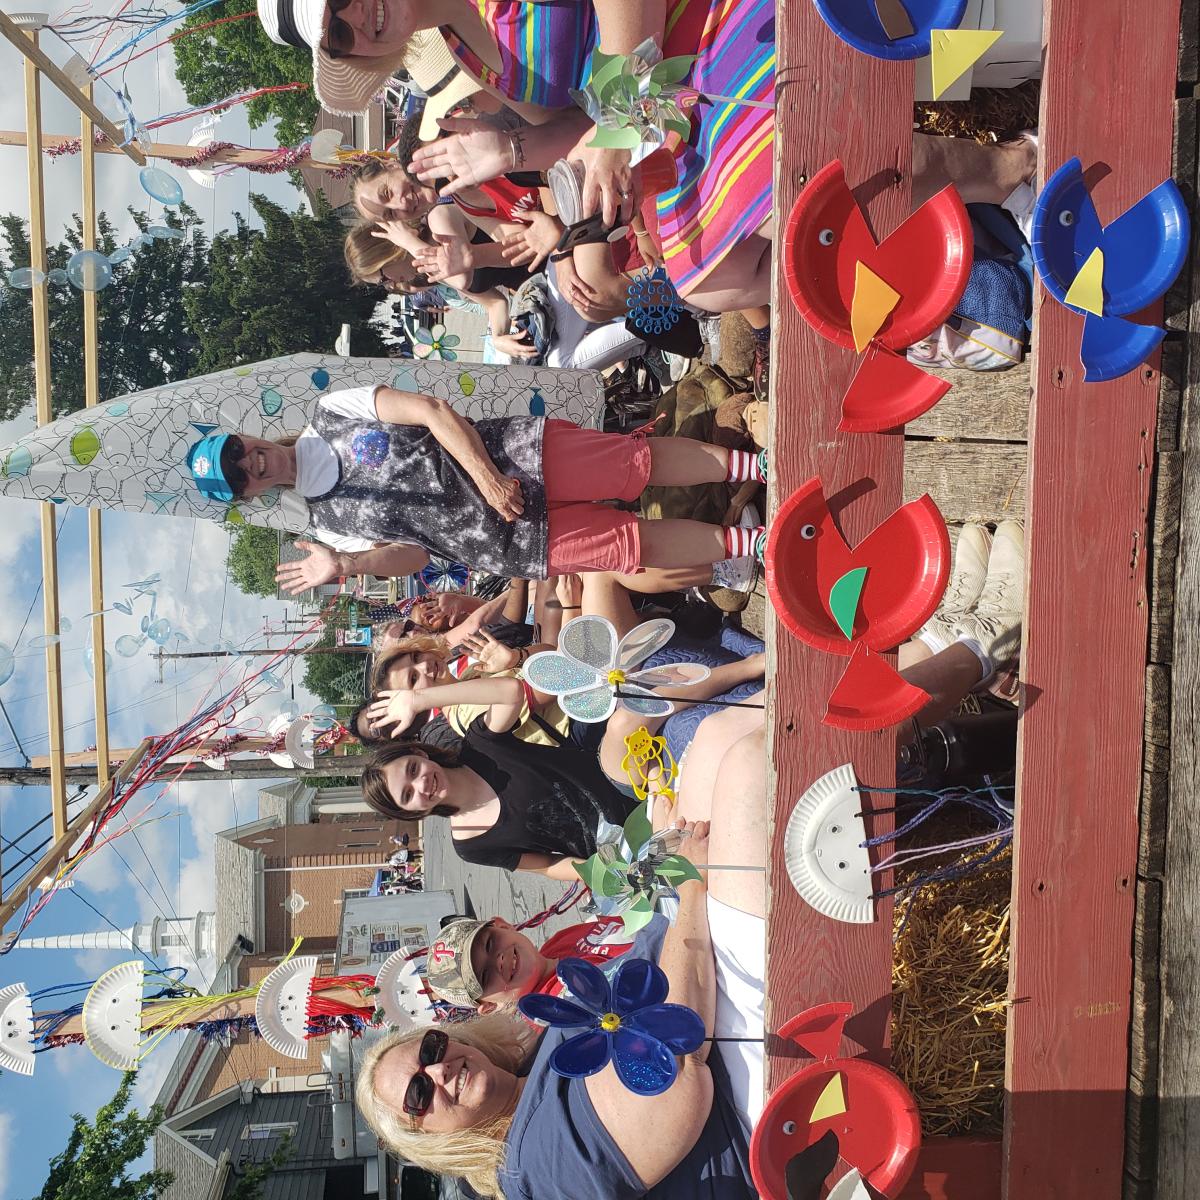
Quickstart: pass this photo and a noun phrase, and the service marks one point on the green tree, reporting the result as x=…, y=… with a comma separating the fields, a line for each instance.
x=252, y=559
x=250, y=1184
x=237, y=56
x=94, y=1165
x=144, y=335
x=335, y=678
x=278, y=290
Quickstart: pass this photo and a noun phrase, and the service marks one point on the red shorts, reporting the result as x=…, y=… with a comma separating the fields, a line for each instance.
x=581, y=467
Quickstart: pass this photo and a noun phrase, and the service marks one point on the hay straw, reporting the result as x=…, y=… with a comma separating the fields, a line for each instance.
x=991, y=114
x=950, y=1005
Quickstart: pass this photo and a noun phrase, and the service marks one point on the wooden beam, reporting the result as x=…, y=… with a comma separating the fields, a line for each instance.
x=958, y=1168
x=35, y=56
x=173, y=151
x=91, y=397
x=40, y=302
x=1083, y=665
x=832, y=102
x=63, y=844
x=350, y=765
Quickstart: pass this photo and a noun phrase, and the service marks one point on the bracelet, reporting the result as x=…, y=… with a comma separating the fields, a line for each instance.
x=570, y=607
x=517, y=144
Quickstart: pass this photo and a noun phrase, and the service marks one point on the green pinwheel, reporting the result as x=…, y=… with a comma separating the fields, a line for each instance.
x=636, y=872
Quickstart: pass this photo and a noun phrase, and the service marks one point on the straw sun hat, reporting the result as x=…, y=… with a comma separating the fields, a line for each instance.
x=346, y=86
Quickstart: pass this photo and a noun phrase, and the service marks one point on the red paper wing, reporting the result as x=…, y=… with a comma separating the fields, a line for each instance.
x=826, y=236
x=928, y=261
x=806, y=555
x=879, y=1133
x=870, y=695
x=818, y=1030
x=908, y=563
x=887, y=392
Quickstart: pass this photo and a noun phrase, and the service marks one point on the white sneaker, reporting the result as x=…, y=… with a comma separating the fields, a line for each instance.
x=736, y=574
x=967, y=577
x=994, y=626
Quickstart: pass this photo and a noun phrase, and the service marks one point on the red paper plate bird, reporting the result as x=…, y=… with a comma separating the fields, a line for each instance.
x=877, y=297
x=858, y=601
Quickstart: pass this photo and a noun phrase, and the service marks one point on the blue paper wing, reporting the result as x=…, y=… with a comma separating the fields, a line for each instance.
x=637, y=983
x=1144, y=250
x=644, y=1065
x=583, y=1055
x=554, y=1010
x=554, y=673
x=586, y=983
x=678, y=1027
x=1112, y=346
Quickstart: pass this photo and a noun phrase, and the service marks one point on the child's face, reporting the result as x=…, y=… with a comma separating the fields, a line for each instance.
x=506, y=964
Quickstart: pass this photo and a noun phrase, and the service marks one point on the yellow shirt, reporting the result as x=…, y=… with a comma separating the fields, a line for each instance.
x=462, y=716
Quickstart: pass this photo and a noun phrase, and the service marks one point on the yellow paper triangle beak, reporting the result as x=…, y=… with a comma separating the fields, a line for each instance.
x=1087, y=292
x=872, y=304
x=830, y=1103
x=955, y=51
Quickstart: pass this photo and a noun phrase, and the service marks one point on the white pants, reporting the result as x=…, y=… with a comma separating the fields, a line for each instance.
x=579, y=343
x=740, y=950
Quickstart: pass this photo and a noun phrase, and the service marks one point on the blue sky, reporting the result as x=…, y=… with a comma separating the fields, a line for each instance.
x=193, y=595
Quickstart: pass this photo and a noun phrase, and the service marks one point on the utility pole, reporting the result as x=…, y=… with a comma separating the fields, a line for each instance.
x=250, y=768
x=267, y=653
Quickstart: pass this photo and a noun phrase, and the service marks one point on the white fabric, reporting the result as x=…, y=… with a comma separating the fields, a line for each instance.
x=740, y=950
x=579, y=343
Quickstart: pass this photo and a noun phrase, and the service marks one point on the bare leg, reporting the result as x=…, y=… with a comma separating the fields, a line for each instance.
x=947, y=676
x=682, y=462
x=912, y=653
x=714, y=739
x=982, y=174
x=738, y=835
x=680, y=543
x=742, y=279
x=654, y=580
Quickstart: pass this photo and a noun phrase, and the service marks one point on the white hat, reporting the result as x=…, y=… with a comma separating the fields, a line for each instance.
x=342, y=88
x=436, y=72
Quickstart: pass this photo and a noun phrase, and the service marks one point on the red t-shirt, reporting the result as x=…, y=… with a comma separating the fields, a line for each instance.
x=582, y=941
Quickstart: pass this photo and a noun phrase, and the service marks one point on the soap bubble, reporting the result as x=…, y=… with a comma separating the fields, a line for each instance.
x=290, y=709
x=120, y=254
x=165, y=233
x=89, y=661
x=161, y=186
x=8, y=663
x=25, y=278
x=159, y=631
x=43, y=640
x=58, y=275
x=128, y=645
x=89, y=270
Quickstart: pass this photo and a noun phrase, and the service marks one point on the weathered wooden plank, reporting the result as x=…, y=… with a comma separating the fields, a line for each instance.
x=969, y=481
x=1083, y=660
x=1189, y=42
x=1152, y=825
x=831, y=102
x=1179, y=1073
x=1163, y=551
x=1158, y=705
x=989, y=406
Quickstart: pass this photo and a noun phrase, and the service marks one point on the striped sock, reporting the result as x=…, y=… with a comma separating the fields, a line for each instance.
x=741, y=541
x=743, y=466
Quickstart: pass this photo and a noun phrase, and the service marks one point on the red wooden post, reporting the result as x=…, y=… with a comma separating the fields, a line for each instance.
x=1107, y=98
x=831, y=102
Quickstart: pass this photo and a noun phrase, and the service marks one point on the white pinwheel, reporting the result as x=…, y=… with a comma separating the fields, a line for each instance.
x=591, y=670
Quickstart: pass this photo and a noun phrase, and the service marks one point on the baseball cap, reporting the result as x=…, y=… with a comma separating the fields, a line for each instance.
x=448, y=968
x=204, y=459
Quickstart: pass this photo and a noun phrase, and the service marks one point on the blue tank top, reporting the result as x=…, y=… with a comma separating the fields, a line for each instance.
x=558, y=1147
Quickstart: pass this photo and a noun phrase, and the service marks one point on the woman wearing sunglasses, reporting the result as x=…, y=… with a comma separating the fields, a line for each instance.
x=485, y=1104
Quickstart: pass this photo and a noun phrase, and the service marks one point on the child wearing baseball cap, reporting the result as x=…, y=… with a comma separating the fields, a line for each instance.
x=488, y=965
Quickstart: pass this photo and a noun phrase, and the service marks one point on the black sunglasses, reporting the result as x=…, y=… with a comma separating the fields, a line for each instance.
x=418, y=1096
x=339, y=36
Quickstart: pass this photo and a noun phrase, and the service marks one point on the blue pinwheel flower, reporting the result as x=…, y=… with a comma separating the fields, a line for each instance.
x=626, y=1024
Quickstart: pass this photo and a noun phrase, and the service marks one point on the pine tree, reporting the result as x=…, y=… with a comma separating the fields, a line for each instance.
x=252, y=559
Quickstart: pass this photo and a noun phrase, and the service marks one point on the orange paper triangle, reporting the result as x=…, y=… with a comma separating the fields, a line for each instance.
x=872, y=305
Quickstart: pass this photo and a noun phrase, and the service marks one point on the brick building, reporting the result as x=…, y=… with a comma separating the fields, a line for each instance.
x=280, y=877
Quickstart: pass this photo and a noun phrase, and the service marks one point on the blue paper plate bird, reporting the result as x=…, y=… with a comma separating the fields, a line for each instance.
x=1108, y=272
x=890, y=28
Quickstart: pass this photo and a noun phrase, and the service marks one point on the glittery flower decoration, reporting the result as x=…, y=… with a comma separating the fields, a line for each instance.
x=653, y=303
x=435, y=343
x=370, y=448
x=635, y=872
x=634, y=99
x=627, y=1024
x=590, y=671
